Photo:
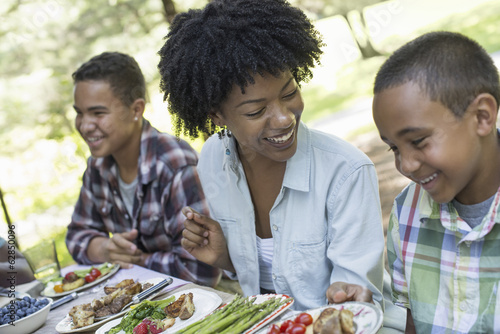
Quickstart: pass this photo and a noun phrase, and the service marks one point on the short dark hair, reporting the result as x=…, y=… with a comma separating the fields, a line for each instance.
x=449, y=68
x=121, y=71
x=228, y=42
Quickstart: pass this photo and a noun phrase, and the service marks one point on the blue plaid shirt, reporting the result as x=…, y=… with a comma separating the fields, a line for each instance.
x=167, y=181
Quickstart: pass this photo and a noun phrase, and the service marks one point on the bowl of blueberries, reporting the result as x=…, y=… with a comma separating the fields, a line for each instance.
x=21, y=316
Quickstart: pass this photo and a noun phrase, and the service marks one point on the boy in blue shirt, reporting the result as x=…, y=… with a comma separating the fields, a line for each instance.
x=435, y=105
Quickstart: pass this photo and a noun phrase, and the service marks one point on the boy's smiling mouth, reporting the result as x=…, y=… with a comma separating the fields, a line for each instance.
x=428, y=179
x=94, y=139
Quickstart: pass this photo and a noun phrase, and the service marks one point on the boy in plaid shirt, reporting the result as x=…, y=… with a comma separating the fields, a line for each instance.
x=436, y=103
x=137, y=179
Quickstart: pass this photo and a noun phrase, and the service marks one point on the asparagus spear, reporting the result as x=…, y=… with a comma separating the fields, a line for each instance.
x=237, y=316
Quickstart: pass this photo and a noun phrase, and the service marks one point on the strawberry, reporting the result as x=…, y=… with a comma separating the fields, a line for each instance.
x=141, y=328
x=153, y=329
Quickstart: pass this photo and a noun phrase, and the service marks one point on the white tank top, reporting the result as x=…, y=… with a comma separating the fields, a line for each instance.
x=265, y=252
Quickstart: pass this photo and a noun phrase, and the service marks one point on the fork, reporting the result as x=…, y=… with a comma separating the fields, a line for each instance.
x=75, y=295
x=142, y=296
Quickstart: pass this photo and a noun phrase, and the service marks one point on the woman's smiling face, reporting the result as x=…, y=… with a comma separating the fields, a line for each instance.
x=264, y=119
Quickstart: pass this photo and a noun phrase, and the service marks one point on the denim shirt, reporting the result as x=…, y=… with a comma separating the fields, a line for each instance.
x=326, y=221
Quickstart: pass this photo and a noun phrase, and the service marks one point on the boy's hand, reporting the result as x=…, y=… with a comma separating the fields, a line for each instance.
x=203, y=238
x=119, y=249
x=340, y=292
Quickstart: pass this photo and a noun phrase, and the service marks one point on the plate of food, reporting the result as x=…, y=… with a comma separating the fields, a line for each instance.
x=344, y=318
x=183, y=309
x=241, y=315
x=90, y=316
x=79, y=280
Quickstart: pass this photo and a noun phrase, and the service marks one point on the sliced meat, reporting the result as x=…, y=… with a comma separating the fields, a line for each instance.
x=187, y=307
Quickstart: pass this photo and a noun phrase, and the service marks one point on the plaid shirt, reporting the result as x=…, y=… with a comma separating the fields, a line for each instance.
x=445, y=272
x=167, y=181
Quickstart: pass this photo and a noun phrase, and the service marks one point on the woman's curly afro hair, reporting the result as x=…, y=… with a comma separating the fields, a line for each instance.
x=228, y=42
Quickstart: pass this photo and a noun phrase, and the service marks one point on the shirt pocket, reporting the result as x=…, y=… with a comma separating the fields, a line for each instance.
x=152, y=224
x=232, y=233
x=308, y=270
x=488, y=319
x=107, y=213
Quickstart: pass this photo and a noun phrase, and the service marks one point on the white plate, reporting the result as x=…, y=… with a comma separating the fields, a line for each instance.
x=274, y=314
x=367, y=317
x=52, y=294
x=204, y=302
x=64, y=326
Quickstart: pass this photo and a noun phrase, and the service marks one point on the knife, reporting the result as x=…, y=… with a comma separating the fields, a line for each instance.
x=148, y=292
x=142, y=296
x=64, y=300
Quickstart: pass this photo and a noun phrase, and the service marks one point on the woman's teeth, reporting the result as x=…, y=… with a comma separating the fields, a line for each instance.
x=281, y=139
x=428, y=179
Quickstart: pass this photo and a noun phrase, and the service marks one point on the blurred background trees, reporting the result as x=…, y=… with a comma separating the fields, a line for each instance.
x=42, y=42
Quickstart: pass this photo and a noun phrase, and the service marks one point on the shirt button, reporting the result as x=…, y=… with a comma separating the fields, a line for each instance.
x=275, y=227
x=115, y=192
x=103, y=210
x=274, y=276
x=126, y=216
x=463, y=306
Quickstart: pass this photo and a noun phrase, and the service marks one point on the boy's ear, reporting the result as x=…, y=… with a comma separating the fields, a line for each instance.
x=486, y=113
x=138, y=107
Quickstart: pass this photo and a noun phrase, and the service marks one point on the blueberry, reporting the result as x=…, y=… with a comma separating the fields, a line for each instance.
x=33, y=301
x=27, y=298
x=20, y=313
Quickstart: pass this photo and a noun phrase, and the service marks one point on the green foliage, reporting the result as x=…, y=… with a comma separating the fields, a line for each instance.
x=355, y=79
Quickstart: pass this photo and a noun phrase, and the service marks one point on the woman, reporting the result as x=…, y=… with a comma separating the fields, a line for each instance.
x=293, y=210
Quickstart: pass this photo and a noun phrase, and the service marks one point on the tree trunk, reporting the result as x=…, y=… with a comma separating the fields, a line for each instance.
x=357, y=24
x=170, y=11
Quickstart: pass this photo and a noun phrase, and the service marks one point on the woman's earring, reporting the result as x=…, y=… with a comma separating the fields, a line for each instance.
x=135, y=118
x=223, y=133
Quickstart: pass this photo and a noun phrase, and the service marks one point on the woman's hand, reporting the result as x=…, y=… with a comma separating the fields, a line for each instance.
x=340, y=292
x=203, y=238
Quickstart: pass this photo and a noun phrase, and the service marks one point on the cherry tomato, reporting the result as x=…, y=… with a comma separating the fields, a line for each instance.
x=274, y=329
x=70, y=277
x=89, y=278
x=95, y=272
x=284, y=326
x=304, y=318
x=296, y=329
x=58, y=288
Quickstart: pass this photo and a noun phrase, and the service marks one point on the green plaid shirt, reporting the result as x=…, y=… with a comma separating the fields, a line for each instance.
x=445, y=272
